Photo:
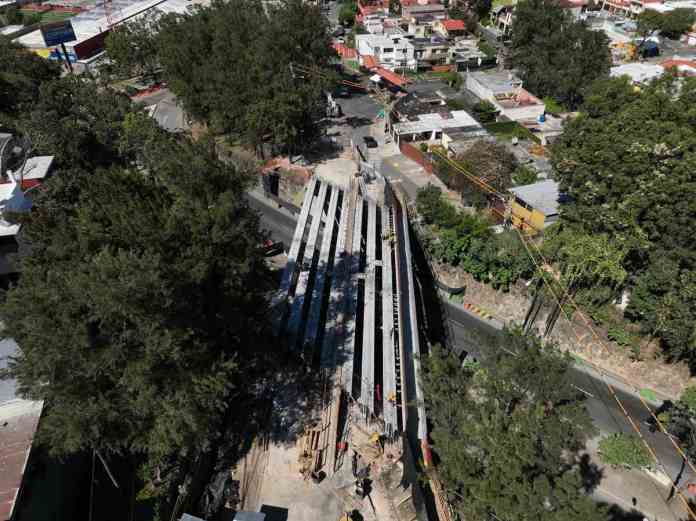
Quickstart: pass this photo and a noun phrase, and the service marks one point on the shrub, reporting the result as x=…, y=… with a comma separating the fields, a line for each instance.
x=466, y=240
x=620, y=336
x=524, y=175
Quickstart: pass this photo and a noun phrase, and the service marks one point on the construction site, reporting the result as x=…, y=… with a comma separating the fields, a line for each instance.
x=346, y=308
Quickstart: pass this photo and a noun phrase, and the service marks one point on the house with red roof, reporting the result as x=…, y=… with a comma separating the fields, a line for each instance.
x=450, y=28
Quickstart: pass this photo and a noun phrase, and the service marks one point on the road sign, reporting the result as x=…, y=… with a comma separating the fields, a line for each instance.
x=56, y=33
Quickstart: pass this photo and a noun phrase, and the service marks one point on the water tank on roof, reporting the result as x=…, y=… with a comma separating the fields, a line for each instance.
x=542, y=117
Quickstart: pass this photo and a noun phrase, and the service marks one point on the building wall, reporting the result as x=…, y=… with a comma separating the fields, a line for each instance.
x=526, y=218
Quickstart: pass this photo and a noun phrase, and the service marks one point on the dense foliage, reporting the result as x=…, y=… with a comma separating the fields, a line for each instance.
x=132, y=49
x=466, y=240
x=21, y=74
x=140, y=309
x=671, y=24
x=347, y=12
x=628, y=164
x=230, y=64
x=555, y=55
x=508, y=433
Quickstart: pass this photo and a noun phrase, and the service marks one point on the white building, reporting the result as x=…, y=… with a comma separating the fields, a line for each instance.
x=505, y=92
x=638, y=72
x=391, y=51
x=436, y=127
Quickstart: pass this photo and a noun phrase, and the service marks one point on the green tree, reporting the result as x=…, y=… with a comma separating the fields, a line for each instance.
x=77, y=121
x=627, y=166
x=133, y=47
x=680, y=420
x=624, y=450
x=21, y=75
x=648, y=23
x=144, y=300
x=524, y=175
x=232, y=65
x=346, y=15
x=592, y=266
x=508, y=433
x=485, y=111
x=677, y=22
x=555, y=55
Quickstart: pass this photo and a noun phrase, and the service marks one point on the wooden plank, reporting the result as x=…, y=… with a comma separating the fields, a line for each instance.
x=388, y=359
x=324, y=265
x=367, y=397
x=295, y=319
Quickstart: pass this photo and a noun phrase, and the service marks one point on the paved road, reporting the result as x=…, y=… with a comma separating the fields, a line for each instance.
x=474, y=335
x=279, y=222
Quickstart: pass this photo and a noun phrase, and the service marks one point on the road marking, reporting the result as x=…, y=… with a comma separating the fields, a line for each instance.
x=583, y=391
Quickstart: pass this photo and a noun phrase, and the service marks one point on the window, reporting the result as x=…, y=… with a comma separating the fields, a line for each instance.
x=388, y=49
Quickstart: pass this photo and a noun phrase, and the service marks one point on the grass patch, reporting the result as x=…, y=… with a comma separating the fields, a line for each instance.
x=648, y=394
x=510, y=129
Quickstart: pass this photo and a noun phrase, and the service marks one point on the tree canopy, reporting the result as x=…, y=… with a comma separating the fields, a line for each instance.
x=671, y=24
x=133, y=48
x=137, y=302
x=555, y=55
x=627, y=164
x=21, y=74
x=508, y=432
x=140, y=308
x=231, y=65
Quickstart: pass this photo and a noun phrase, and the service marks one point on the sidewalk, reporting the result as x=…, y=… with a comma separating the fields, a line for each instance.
x=634, y=491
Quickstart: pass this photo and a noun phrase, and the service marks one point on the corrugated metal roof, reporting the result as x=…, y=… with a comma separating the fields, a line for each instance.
x=541, y=196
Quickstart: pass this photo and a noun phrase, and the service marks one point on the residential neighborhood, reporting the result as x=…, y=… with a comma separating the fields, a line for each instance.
x=377, y=260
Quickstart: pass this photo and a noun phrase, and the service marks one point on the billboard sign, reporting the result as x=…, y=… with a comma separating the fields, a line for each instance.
x=56, y=33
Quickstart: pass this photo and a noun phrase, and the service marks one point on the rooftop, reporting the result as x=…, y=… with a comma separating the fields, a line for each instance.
x=428, y=8
x=437, y=121
x=94, y=21
x=638, y=72
x=543, y=196
x=454, y=25
x=497, y=82
x=37, y=167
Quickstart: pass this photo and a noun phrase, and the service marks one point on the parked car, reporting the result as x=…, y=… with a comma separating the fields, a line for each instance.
x=370, y=142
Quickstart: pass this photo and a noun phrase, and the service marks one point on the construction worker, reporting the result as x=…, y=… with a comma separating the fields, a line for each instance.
x=391, y=398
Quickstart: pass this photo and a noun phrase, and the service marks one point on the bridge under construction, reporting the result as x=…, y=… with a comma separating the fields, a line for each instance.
x=347, y=306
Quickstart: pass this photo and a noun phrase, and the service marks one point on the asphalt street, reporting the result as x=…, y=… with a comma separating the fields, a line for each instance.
x=475, y=336
x=470, y=333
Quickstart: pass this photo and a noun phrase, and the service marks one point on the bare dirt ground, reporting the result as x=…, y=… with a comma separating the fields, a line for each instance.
x=574, y=336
